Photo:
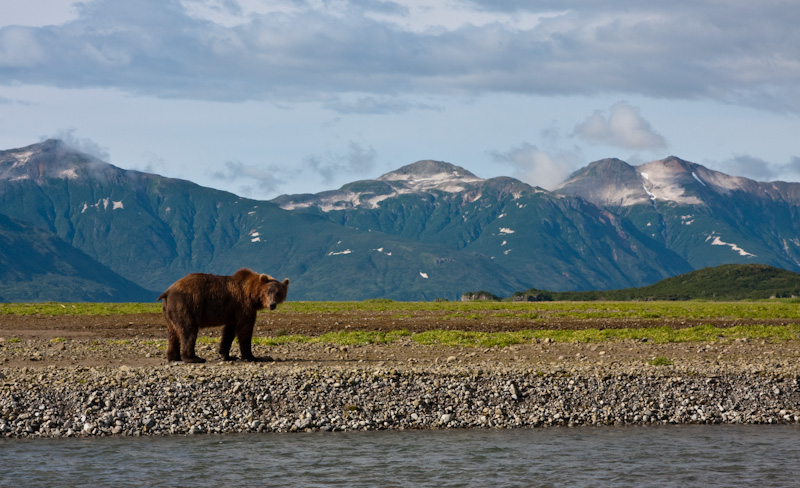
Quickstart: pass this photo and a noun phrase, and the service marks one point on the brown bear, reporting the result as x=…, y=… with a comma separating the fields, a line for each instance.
x=206, y=300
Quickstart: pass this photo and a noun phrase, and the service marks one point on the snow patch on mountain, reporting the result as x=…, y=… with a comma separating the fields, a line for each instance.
x=442, y=182
x=694, y=175
x=103, y=204
x=343, y=201
x=296, y=205
x=617, y=183
x=716, y=241
x=663, y=182
x=420, y=177
x=645, y=176
x=69, y=174
x=21, y=159
x=340, y=253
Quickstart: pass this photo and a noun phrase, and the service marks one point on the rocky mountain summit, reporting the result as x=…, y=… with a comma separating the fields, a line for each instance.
x=615, y=183
x=422, y=177
x=707, y=217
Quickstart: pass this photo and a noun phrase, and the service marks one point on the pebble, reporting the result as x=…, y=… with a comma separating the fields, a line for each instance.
x=217, y=399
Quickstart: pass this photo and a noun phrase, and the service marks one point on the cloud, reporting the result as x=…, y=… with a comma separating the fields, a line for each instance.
x=624, y=127
x=237, y=50
x=358, y=160
x=20, y=48
x=760, y=170
x=537, y=167
x=83, y=145
x=375, y=105
x=255, y=180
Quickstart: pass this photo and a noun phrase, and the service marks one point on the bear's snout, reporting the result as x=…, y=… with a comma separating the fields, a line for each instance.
x=272, y=306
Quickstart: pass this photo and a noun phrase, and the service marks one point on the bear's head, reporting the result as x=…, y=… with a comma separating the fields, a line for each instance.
x=273, y=291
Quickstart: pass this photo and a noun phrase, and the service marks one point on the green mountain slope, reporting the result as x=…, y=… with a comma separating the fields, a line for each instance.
x=724, y=283
x=704, y=216
x=547, y=240
x=36, y=265
x=154, y=230
x=427, y=230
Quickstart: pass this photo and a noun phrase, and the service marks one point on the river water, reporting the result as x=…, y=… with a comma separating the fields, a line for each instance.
x=663, y=456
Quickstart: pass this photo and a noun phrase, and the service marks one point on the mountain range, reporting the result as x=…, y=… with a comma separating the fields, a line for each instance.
x=75, y=228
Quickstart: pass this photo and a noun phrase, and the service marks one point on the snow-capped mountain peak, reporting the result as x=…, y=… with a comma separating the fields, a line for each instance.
x=612, y=182
x=50, y=159
x=421, y=177
x=428, y=175
x=669, y=179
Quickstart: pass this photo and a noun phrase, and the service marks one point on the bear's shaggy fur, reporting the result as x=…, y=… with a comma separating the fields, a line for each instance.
x=205, y=300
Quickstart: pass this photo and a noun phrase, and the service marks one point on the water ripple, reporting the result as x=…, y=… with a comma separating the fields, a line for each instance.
x=582, y=457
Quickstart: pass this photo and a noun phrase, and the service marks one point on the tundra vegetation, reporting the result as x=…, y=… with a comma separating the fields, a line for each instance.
x=783, y=314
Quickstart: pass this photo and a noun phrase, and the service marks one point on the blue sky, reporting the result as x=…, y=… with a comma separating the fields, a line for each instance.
x=268, y=97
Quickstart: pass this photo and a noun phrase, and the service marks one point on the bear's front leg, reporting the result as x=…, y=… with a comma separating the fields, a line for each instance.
x=245, y=336
x=228, y=333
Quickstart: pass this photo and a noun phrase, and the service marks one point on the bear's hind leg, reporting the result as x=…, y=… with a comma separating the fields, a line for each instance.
x=188, y=340
x=173, y=343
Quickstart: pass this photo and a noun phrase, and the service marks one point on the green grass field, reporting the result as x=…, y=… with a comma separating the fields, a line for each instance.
x=787, y=311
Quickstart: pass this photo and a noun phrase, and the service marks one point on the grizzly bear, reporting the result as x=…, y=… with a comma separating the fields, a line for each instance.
x=205, y=300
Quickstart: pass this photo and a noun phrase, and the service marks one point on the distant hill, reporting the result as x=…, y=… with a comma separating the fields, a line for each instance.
x=728, y=282
x=36, y=265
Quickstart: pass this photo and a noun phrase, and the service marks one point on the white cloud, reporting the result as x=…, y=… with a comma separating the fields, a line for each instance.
x=623, y=127
x=253, y=181
x=761, y=170
x=37, y=12
x=20, y=48
x=375, y=105
x=82, y=144
x=537, y=167
x=245, y=50
x=358, y=160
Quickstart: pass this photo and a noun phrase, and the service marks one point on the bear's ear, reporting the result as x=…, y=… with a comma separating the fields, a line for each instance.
x=286, y=282
x=265, y=278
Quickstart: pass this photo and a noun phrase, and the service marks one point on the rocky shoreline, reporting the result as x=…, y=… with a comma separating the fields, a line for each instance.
x=177, y=399
x=83, y=376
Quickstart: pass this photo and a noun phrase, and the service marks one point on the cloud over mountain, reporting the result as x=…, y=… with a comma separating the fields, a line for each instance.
x=537, y=167
x=237, y=51
x=624, y=127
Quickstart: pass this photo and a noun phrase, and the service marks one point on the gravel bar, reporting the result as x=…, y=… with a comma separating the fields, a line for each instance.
x=177, y=399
